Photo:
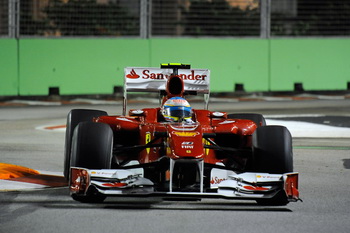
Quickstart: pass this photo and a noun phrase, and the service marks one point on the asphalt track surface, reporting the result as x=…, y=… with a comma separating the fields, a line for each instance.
x=322, y=161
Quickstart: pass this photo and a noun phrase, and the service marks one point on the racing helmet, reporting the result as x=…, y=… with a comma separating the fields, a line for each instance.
x=176, y=109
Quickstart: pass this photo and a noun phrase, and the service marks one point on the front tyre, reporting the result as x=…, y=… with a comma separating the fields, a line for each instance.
x=272, y=149
x=74, y=117
x=92, y=145
x=272, y=152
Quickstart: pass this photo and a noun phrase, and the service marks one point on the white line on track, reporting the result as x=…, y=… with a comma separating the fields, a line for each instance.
x=300, y=129
x=15, y=185
x=8, y=185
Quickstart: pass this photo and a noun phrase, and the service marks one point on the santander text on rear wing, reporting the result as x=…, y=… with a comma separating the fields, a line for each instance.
x=150, y=79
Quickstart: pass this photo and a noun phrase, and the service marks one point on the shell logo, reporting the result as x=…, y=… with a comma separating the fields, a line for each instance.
x=186, y=134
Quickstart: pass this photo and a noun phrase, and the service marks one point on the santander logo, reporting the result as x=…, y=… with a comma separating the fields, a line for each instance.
x=132, y=75
x=217, y=180
x=147, y=74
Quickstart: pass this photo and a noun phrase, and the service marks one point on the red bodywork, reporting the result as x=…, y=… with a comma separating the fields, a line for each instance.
x=182, y=140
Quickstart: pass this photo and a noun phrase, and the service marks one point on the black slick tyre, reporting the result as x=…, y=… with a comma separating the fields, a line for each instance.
x=272, y=152
x=92, y=145
x=74, y=117
x=272, y=149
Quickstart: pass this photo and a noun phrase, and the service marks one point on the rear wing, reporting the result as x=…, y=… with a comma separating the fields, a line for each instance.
x=150, y=79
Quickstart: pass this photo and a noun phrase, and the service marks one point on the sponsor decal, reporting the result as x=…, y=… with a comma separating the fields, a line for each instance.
x=179, y=101
x=206, y=142
x=101, y=173
x=216, y=180
x=115, y=184
x=147, y=140
x=267, y=177
x=168, y=150
x=185, y=134
x=147, y=74
x=132, y=75
x=255, y=188
x=152, y=79
x=187, y=145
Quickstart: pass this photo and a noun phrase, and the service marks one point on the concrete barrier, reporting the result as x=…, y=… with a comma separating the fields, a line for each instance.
x=31, y=67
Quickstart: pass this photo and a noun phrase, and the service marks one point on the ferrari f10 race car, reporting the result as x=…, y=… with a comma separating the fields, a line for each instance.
x=173, y=151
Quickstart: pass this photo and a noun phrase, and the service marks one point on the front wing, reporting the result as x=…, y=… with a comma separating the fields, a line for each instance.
x=119, y=182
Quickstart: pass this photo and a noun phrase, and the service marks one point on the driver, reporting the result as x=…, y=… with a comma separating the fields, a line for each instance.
x=177, y=109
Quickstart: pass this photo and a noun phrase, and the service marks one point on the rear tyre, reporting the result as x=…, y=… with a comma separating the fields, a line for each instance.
x=73, y=119
x=272, y=152
x=258, y=119
x=92, y=145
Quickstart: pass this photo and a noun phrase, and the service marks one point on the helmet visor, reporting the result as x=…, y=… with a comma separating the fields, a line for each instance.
x=178, y=112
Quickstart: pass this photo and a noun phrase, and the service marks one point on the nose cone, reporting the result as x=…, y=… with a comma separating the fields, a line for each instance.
x=185, y=143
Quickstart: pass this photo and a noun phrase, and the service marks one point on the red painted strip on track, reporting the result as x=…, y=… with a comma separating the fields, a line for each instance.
x=11, y=104
x=55, y=127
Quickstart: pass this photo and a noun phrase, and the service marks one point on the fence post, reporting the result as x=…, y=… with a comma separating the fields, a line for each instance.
x=12, y=18
x=265, y=18
x=145, y=18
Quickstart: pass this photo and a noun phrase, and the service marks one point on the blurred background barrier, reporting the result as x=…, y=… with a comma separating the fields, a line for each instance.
x=70, y=47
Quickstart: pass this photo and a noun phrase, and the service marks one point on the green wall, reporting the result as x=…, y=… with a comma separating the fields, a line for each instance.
x=77, y=66
x=95, y=66
x=230, y=60
x=8, y=67
x=320, y=64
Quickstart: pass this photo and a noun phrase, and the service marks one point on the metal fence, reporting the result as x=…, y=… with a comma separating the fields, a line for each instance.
x=4, y=18
x=175, y=18
x=310, y=18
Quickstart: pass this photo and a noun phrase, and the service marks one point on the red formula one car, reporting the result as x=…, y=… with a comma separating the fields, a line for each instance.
x=174, y=151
